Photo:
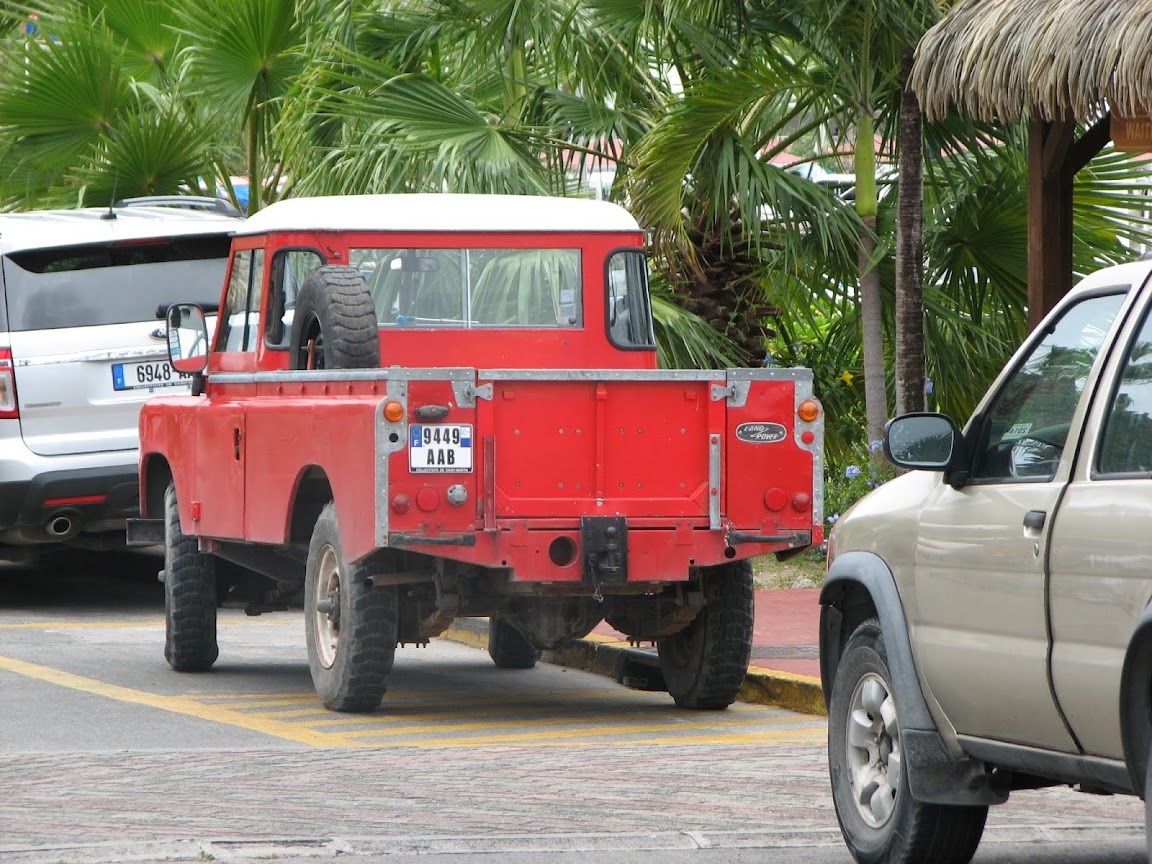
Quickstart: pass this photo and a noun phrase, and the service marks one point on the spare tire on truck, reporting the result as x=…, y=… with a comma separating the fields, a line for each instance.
x=334, y=323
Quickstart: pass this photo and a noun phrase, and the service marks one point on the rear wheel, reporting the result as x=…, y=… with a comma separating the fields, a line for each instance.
x=1148, y=803
x=704, y=664
x=508, y=647
x=351, y=627
x=189, y=596
x=334, y=323
x=880, y=820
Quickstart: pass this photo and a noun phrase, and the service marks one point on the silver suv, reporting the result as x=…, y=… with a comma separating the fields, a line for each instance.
x=82, y=344
x=986, y=622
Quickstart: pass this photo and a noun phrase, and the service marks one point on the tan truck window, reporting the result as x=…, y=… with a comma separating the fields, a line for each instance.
x=1023, y=431
x=1126, y=445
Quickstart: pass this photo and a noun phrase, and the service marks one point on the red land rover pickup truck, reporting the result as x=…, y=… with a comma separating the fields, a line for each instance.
x=421, y=407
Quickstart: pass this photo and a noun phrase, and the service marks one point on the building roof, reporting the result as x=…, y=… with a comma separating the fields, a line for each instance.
x=997, y=60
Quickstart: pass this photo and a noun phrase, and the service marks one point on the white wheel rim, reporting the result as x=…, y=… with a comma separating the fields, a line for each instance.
x=872, y=750
x=326, y=615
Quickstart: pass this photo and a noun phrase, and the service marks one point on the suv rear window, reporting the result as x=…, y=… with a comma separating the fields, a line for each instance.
x=100, y=284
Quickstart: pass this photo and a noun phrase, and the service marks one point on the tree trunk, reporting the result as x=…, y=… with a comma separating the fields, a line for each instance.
x=911, y=374
x=871, y=307
x=872, y=333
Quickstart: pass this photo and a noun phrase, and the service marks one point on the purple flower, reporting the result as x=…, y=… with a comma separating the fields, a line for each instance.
x=852, y=471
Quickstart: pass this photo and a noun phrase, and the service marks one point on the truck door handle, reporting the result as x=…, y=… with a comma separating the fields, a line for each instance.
x=1035, y=519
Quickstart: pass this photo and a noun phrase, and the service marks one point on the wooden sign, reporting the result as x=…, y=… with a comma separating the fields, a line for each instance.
x=1132, y=134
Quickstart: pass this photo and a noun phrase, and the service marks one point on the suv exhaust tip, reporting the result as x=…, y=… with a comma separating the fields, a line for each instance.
x=62, y=526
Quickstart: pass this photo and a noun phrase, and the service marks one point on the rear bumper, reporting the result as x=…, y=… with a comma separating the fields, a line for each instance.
x=55, y=506
x=605, y=552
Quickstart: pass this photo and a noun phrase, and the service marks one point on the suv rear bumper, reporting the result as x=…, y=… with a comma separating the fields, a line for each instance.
x=55, y=506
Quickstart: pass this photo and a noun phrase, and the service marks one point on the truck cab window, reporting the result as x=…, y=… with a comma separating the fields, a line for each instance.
x=290, y=267
x=239, y=322
x=473, y=287
x=1022, y=433
x=629, y=312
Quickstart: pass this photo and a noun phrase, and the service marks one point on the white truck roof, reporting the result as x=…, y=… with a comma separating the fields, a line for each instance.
x=439, y=212
x=40, y=229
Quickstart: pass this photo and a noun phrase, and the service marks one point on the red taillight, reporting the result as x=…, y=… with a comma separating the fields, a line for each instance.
x=9, y=408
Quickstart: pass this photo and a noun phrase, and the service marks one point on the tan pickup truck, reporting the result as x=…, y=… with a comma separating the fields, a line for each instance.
x=986, y=622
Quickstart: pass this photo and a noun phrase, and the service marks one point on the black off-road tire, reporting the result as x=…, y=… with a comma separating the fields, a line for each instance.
x=189, y=596
x=887, y=826
x=1148, y=803
x=508, y=647
x=704, y=664
x=334, y=323
x=352, y=643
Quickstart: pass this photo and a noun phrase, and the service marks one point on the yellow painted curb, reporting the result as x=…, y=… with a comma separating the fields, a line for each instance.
x=600, y=655
x=796, y=692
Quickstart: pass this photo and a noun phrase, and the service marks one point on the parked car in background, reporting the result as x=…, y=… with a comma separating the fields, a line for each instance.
x=83, y=295
x=986, y=622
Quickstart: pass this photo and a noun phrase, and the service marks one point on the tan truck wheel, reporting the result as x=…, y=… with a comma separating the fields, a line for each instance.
x=189, y=596
x=350, y=627
x=704, y=664
x=880, y=820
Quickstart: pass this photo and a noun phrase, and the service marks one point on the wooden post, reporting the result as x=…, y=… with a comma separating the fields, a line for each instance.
x=1054, y=157
x=1049, y=216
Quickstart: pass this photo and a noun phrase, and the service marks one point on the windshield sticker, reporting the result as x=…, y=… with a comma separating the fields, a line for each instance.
x=1018, y=430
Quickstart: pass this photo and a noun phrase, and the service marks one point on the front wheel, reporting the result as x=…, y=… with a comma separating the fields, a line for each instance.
x=189, y=596
x=705, y=663
x=350, y=626
x=880, y=820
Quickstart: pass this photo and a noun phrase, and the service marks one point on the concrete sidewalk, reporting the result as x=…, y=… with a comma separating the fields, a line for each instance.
x=784, y=670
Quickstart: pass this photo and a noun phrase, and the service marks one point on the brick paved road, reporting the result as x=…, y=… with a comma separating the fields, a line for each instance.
x=107, y=756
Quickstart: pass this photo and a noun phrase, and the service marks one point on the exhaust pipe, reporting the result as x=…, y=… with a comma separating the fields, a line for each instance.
x=62, y=526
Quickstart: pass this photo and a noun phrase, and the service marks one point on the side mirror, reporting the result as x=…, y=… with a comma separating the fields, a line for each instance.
x=926, y=442
x=187, y=338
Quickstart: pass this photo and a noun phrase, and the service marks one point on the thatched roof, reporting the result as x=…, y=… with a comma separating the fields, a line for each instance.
x=992, y=59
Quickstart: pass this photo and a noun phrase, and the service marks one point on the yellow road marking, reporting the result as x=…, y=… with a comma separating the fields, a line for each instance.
x=179, y=705
x=232, y=713
x=256, y=704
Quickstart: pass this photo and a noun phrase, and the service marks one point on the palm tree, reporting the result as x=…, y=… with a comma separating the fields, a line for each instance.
x=133, y=97
x=90, y=106
x=243, y=58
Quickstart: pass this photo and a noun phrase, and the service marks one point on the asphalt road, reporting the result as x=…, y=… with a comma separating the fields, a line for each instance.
x=107, y=755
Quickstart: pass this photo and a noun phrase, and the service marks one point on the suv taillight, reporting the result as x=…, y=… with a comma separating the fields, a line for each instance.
x=9, y=409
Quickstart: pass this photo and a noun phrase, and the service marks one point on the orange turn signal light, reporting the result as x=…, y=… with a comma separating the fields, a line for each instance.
x=808, y=410
x=393, y=412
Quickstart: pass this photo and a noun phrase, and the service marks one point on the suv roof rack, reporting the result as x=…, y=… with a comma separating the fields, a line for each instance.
x=188, y=202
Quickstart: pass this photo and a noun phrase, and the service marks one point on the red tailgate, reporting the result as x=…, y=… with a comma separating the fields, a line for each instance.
x=636, y=445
